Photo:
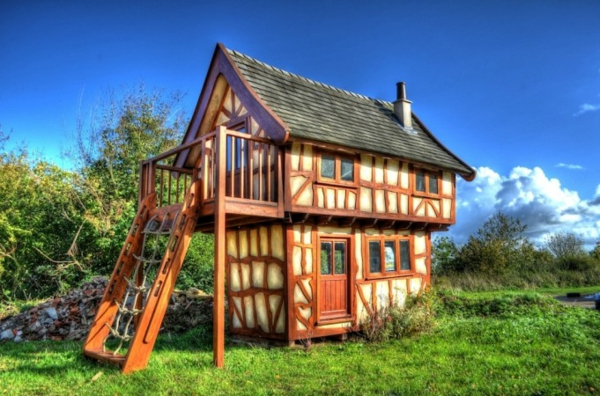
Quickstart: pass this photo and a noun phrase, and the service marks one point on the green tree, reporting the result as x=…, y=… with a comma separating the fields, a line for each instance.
x=498, y=246
x=37, y=221
x=128, y=128
x=444, y=256
x=132, y=126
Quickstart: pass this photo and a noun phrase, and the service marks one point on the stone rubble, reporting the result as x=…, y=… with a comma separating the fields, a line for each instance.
x=69, y=317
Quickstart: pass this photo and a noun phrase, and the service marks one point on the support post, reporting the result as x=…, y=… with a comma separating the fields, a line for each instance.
x=220, y=251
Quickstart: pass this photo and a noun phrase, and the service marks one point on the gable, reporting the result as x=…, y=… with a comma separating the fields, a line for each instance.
x=227, y=94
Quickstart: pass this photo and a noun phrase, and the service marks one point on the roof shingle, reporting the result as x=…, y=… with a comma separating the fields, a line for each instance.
x=324, y=113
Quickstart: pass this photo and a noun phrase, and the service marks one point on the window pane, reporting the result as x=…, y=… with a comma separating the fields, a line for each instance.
x=325, y=258
x=390, y=255
x=328, y=166
x=420, y=181
x=404, y=255
x=433, y=184
x=347, y=169
x=340, y=258
x=375, y=256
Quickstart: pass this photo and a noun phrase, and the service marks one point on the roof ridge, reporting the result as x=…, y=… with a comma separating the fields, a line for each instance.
x=308, y=80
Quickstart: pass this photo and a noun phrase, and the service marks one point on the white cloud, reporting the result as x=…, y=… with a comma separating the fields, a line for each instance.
x=538, y=201
x=569, y=166
x=586, y=107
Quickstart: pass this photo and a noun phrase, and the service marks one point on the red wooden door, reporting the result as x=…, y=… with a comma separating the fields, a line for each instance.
x=334, y=298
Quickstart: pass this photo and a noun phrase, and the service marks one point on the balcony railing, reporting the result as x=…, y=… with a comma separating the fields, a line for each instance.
x=251, y=167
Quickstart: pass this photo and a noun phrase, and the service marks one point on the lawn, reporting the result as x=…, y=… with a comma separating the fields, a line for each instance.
x=512, y=343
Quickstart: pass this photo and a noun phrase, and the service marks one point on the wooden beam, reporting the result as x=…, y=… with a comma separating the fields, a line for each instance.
x=220, y=253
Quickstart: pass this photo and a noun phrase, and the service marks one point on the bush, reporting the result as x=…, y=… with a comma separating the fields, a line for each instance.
x=415, y=316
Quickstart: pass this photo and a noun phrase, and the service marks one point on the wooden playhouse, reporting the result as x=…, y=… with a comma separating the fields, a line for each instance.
x=322, y=203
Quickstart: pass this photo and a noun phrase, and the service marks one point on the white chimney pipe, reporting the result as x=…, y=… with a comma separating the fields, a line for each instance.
x=402, y=108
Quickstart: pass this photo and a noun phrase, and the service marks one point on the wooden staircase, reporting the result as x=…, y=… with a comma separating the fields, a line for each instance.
x=131, y=312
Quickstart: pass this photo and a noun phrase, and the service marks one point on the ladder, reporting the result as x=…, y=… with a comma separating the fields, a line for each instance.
x=133, y=307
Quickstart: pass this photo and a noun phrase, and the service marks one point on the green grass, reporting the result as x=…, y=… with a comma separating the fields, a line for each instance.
x=512, y=343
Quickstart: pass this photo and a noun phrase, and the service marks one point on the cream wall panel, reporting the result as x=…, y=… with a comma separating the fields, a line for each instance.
x=404, y=176
x=274, y=277
x=261, y=312
x=254, y=242
x=243, y=242
x=264, y=241
x=258, y=274
x=365, y=199
x=306, y=197
x=295, y=156
x=383, y=294
x=297, y=260
x=366, y=167
x=249, y=311
x=277, y=248
x=393, y=202
x=404, y=204
x=446, y=183
x=308, y=288
x=341, y=199
x=421, y=266
x=330, y=198
x=308, y=268
x=415, y=285
x=295, y=183
x=421, y=210
x=245, y=276
x=447, y=208
x=231, y=244
x=378, y=169
x=236, y=282
x=299, y=297
x=436, y=205
x=358, y=254
x=420, y=242
x=399, y=292
x=235, y=321
x=392, y=172
x=280, y=325
x=380, y=201
x=307, y=158
x=307, y=236
x=352, y=200
x=320, y=198
x=305, y=312
x=300, y=325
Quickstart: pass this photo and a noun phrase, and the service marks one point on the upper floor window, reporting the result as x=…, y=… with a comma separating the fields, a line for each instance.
x=388, y=255
x=336, y=168
x=427, y=181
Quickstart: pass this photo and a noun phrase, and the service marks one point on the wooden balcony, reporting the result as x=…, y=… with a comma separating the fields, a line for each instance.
x=242, y=171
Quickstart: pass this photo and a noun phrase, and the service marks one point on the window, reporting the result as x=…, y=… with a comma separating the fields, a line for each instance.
x=336, y=168
x=388, y=255
x=333, y=258
x=427, y=182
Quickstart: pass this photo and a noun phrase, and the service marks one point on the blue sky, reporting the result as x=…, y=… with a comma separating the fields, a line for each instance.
x=512, y=87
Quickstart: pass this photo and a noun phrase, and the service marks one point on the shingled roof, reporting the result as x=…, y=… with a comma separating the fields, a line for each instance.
x=323, y=113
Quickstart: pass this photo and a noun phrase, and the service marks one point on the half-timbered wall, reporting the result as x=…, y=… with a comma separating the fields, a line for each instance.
x=368, y=293
x=384, y=187
x=256, y=281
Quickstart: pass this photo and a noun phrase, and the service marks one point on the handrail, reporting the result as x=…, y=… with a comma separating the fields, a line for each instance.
x=252, y=170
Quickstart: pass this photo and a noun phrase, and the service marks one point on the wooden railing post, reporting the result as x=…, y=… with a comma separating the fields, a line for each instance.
x=220, y=250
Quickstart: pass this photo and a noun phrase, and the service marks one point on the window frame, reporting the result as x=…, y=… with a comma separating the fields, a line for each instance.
x=398, y=272
x=426, y=180
x=337, y=178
